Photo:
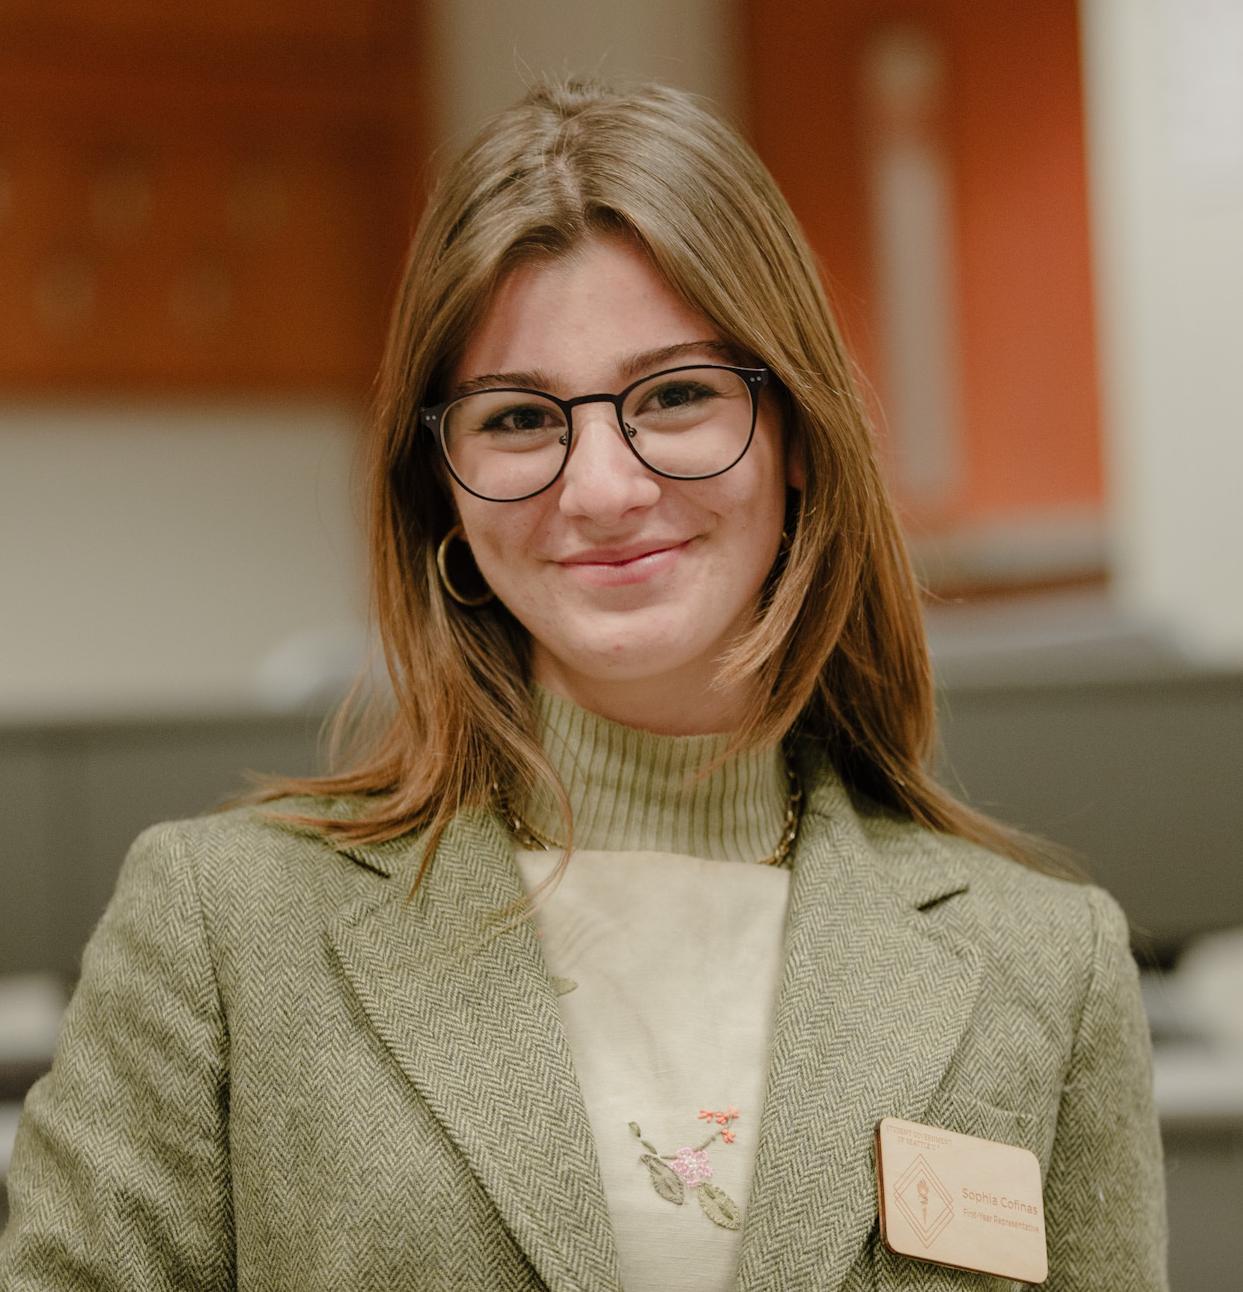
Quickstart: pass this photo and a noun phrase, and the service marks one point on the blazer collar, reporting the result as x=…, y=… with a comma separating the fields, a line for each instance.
x=881, y=974
x=473, y=1022
x=880, y=977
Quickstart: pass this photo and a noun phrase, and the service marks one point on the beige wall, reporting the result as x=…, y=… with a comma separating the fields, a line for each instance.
x=151, y=557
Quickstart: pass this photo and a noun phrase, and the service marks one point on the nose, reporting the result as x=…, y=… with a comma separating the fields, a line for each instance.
x=603, y=480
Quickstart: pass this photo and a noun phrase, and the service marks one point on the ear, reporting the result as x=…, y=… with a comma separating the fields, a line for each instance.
x=796, y=463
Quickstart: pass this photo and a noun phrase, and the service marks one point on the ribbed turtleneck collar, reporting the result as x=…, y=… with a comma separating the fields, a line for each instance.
x=634, y=790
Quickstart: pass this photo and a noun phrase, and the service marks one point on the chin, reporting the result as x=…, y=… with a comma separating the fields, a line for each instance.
x=635, y=652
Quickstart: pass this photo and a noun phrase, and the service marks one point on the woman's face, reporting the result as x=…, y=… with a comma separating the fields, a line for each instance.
x=631, y=585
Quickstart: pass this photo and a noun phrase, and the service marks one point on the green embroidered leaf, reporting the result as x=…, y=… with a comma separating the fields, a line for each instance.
x=718, y=1206
x=563, y=986
x=638, y=1134
x=665, y=1180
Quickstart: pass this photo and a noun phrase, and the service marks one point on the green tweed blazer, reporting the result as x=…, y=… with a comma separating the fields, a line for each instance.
x=277, y=1073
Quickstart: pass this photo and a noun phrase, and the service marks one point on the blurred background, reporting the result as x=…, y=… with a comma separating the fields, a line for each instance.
x=1028, y=220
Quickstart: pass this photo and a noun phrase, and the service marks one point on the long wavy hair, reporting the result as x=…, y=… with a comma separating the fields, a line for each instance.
x=837, y=650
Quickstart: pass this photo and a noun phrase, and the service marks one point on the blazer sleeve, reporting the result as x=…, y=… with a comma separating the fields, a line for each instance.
x=119, y=1177
x=1105, y=1189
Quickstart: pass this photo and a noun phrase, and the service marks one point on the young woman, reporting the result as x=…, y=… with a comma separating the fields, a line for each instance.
x=657, y=664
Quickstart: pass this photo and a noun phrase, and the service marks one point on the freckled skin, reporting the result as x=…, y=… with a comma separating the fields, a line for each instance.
x=642, y=652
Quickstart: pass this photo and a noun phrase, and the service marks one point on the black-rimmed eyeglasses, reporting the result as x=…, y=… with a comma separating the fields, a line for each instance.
x=510, y=443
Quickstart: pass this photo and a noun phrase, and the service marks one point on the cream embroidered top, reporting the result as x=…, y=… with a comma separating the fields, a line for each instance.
x=667, y=945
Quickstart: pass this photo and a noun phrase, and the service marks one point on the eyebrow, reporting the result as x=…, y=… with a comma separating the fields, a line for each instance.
x=631, y=368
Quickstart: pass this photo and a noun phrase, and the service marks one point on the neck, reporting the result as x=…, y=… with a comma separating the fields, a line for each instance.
x=631, y=789
x=683, y=703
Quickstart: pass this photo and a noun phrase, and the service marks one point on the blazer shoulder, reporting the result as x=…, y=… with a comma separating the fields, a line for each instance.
x=251, y=854
x=271, y=830
x=1025, y=894
x=1023, y=915
x=261, y=889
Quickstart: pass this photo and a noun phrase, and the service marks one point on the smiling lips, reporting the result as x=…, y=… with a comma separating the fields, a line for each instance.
x=614, y=566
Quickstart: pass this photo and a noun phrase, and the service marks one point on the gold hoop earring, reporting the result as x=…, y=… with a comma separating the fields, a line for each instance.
x=442, y=566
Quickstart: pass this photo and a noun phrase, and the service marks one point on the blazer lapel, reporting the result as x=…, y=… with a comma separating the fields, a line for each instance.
x=876, y=993
x=475, y=1026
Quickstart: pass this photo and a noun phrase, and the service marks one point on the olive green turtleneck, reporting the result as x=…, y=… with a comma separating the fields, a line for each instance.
x=634, y=790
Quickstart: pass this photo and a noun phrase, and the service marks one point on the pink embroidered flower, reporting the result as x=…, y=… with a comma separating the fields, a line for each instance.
x=722, y=1119
x=706, y=1114
x=728, y=1136
x=692, y=1165
x=732, y=1113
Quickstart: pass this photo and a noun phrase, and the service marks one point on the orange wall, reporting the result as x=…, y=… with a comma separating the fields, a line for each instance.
x=1014, y=130
x=208, y=199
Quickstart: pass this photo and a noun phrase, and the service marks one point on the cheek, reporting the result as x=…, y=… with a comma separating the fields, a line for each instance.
x=759, y=498
x=500, y=537
x=745, y=535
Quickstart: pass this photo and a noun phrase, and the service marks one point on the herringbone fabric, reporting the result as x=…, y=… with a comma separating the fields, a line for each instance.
x=278, y=1074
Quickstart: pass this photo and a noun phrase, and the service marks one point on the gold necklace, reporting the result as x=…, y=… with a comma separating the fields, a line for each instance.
x=529, y=837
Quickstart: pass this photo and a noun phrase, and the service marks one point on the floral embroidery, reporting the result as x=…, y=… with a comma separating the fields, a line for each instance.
x=690, y=1167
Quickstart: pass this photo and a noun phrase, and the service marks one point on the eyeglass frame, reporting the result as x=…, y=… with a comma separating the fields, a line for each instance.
x=432, y=416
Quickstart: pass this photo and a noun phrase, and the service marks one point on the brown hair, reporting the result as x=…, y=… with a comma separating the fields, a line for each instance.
x=837, y=650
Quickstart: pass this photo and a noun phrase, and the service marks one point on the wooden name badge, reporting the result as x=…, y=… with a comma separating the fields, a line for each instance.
x=952, y=1199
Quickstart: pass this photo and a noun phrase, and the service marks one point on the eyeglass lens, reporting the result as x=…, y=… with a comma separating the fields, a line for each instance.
x=691, y=423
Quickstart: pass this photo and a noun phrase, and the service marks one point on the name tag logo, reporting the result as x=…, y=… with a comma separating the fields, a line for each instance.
x=924, y=1200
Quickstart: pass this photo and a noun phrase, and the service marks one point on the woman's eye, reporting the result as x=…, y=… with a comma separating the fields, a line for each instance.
x=523, y=418
x=680, y=394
